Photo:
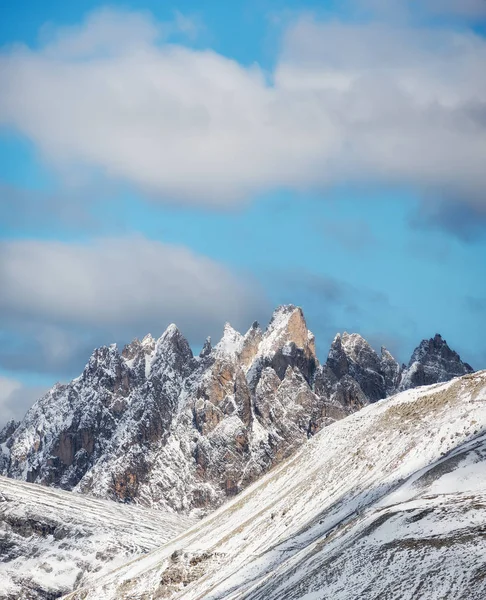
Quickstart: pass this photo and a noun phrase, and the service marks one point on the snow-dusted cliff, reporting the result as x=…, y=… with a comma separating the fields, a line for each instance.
x=389, y=503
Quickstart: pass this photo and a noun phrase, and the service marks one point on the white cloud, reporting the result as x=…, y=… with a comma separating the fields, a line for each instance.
x=119, y=283
x=367, y=101
x=59, y=300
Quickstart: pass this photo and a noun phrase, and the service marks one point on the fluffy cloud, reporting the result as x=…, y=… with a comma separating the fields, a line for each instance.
x=61, y=299
x=358, y=102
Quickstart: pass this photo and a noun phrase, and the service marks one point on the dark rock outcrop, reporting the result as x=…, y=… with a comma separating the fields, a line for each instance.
x=433, y=362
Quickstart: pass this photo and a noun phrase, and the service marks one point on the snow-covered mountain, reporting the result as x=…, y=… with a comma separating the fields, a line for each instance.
x=387, y=503
x=52, y=541
x=158, y=426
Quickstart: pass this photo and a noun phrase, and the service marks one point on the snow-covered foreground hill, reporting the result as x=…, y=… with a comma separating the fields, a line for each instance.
x=388, y=503
x=52, y=541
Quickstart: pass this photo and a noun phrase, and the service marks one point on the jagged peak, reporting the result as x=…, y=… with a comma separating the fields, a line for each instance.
x=281, y=316
x=171, y=331
x=254, y=329
x=433, y=361
x=357, y=348
x=351, y=341
x=172, y=351
x=433, y=346
x=103, y=352
x=130, y=350
x=231, y=342
x=336, y=343
x=104, y=359
x=136, y=347
x=386, y=354
x=148, y=340
x=286, y=325
x=171, y=337
x=207, y=348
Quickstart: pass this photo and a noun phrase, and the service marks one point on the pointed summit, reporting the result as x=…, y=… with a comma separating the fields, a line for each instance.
x=288, y=342
x=337, y=359
x=106, y=368
x=104, y=357
x=287, y=325
x=131, y=350
x=172, y=351
x=251, y=343
x=231, y=342
x=360, y=351
x=171, y=331
x=433, y=361
x=351, y=355
x=148, y=343
x=206, y=349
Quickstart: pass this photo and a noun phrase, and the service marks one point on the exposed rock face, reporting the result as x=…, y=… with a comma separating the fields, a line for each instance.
x=158, y=426
x=8, y=429
x=352, y=356
x=432, y=362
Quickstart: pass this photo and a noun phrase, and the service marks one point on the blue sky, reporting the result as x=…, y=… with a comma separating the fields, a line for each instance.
x=200, y=163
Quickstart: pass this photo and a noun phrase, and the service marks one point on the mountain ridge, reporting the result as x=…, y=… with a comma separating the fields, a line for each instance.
x=156, y=425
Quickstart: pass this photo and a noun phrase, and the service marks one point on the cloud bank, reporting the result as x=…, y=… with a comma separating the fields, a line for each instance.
x=357, y=102
x=58, y=300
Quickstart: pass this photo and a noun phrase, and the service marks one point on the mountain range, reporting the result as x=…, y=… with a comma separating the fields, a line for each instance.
x=156, y=425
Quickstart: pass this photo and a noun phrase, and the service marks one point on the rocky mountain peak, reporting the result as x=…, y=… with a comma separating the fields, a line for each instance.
x=206, y=349
x=359, y=350
x=251, y=343
x=172, y=351
x=104, y=357
x=287, y=325
x=433, y=361
x=148, y=343
x=230, y=344
x=131, y=350
x=137, y=347
x=434, y=348
x=337, y=359
x=352, y=356
x=106, y=369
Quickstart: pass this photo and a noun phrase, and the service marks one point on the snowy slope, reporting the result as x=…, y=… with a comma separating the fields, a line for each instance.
x=387, y=503
x=52, y=541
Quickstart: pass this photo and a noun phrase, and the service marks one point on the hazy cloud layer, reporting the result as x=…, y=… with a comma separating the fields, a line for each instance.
x=467, y=222
x=59, y=299
x=368, y=101
x=16, y=399
x=352, y=235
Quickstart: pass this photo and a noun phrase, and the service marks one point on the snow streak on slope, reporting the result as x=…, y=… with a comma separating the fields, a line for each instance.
x=387, y=503
x=52, y=541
